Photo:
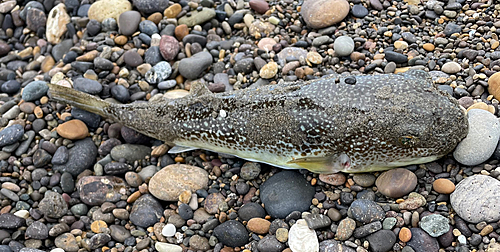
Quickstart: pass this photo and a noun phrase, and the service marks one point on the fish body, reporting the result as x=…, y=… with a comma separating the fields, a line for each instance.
x=353, y=124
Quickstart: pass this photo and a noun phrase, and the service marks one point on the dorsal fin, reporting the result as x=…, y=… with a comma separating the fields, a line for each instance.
x=198, y=88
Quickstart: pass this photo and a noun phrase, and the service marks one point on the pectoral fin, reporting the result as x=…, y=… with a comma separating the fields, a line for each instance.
x=325, y=164
x=314, y=164
x=179, y=149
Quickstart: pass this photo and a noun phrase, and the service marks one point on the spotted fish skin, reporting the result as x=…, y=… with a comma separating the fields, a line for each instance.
x=355, y=124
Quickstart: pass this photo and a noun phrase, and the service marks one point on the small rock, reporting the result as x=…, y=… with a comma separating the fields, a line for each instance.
x=192, y=67
x=35, y=90
x=132, y=58
x=343, y=46
x=197, y=17
x=345, y=229
x=258, y=225
x=451, y=67
x=317, y=221
x=128, y=22
x=10, y=221
x=172, y=180
x=101, y=10
x=270, y=244
x=67, y=242
x=359, y=11
x=382, y=240
x=53, y=205
x=301, y=238
x=259, y=6
x=150, y=6
x=396, y=183
x=169, y=47
x=11, y=135
x=366, y=211
x=73, y=130
x=269, y=70
x=251, y=210
x=56, y=23
x=494, y=85
x=286, y=192
x=422, y=242
x=444, y=186
x=81, y=157
x=435, y=224
x=167, y=247
x=231, y=233
x=395, y=57
x=146, y=211
x=95, y=190
x=324, y=13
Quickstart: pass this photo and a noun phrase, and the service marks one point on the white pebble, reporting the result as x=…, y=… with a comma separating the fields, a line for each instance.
x=462, y=239
x=23, y=214
x=168, y=230
x=166, y=247
x=302, y=239
x=57, y=250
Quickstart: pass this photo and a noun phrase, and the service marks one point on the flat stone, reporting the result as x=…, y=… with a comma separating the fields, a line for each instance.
x=10, y=221
x=382, y=240
x=434, y=224
x=35, y=90
x=101, y=10
x=11, y=135
x=469, y=206
x=317, y=221
x=95, y=190
x=197, y=17
x=73, y=130
x=396, y=183
x=172, y=180
x=37, y=230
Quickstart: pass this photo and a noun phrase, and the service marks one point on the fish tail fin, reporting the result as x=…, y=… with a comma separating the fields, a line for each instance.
x=79, y=99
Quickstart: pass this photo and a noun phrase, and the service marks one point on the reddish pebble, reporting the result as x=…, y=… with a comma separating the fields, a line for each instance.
x=259, y=6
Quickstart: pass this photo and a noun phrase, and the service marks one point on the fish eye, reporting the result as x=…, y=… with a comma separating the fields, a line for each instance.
x=408, y=141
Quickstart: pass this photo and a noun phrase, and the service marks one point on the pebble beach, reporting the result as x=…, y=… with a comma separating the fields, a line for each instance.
x=72, y=181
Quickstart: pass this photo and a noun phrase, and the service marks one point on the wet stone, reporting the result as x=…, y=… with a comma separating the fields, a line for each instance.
x=53, y=205
x=277, y=197
x=35, y=90
x=10, y=221
x=317, y=221
x=119, y=233
x=396, y=183
x=231, y=233
x=95, y=190
x=81, y=157
x=367, y=229
x=146, y=211
x=382, y=240
x=271, y=244
x=37, y=230
x=421, y=241
x=251, y=210
x=11, y=135
x=87, y=85
x=366, y=211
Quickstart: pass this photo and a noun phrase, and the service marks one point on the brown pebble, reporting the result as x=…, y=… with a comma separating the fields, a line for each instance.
x=47, y=63
x=443, y=186
x=181, y=31
x=121, y=40
x=179, y=159
x=335, y=179
x=74, y=129
x=258, y=225
x=155, y=17
x=404, y=234
x=98, y=226
x=172, y=11
x=133, y=197
x=38, y=112
x=428, y=47
x=486, y=230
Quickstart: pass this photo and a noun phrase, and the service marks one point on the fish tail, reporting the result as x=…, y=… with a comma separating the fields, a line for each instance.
x=79, y=99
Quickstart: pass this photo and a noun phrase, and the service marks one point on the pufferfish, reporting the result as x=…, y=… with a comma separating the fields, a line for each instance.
x=334, y=124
